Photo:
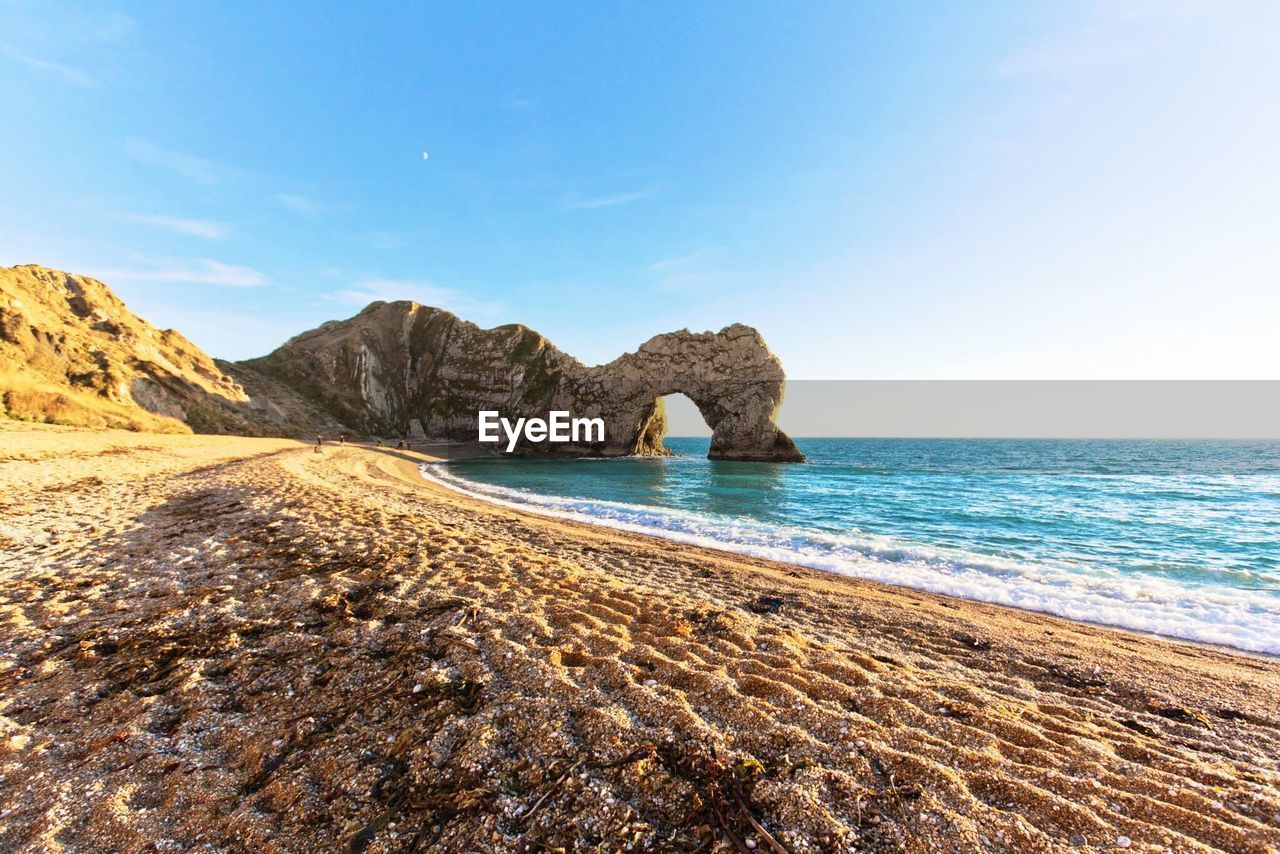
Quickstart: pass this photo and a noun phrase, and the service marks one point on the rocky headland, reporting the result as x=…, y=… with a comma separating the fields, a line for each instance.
x=71, y=352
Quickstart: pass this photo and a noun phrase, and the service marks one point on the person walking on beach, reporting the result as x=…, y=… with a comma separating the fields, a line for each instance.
x=342, y=440
x=319, y=442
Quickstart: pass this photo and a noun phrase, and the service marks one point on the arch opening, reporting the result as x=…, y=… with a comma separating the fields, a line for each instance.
x=684, y=420
x=673, y=414
x=740, y=428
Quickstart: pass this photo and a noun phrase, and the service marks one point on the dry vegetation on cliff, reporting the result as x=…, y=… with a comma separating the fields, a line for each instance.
x=72, y=353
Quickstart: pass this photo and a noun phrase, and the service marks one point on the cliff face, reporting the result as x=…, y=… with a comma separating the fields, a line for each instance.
x=72, y=353
x=396, y=363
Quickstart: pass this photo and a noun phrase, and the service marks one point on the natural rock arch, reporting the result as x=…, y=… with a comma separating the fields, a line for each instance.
x=731, y=376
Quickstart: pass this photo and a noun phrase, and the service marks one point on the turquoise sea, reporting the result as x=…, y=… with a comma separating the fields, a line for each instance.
x=1175, y=538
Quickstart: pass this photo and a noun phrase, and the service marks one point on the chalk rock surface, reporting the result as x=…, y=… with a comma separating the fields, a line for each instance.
x=397, y=362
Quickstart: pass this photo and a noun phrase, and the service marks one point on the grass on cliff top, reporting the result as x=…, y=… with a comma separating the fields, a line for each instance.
x=24, y=399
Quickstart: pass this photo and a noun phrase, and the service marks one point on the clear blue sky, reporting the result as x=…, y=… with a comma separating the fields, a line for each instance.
x=886, y=190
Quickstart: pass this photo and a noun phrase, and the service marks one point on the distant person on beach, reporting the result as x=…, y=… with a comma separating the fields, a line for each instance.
x=342, y=440
x=401, y=446
x=319, y=441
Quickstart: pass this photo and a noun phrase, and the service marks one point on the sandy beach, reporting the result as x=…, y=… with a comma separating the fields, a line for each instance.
x=239, y=644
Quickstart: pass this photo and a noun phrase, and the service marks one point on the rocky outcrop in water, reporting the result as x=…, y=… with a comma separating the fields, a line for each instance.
x=398, y=362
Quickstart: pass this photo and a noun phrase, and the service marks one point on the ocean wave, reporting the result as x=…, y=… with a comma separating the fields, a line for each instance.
x=1215, y=614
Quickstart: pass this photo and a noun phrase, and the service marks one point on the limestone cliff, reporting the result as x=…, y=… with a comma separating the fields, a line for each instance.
x=72, y=353
x=396, y=363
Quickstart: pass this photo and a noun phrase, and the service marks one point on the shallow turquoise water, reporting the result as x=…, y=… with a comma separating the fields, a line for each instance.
x=1180, y=538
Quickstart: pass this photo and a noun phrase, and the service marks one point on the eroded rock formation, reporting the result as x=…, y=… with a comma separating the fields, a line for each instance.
x=396, y=362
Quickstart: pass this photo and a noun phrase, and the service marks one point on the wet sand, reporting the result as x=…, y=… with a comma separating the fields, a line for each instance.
x=241, y=644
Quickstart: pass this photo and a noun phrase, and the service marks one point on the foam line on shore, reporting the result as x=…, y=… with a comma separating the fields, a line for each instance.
x=1139, y=603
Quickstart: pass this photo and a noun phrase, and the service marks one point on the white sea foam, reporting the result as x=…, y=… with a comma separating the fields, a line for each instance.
x=1245, y=619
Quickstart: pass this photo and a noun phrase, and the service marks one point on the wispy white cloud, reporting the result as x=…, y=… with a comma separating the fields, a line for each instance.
x=381, y=239
x=1112, y=34
x=300, y=204
x=222, y=333
x=198, y=169
x=35, y=32
x=49, y=68
x=681, y=263
x=370, y=289
x=517, y=102
x=194, y=227
x=199, y=271
x=98, y=28
x=42, y=32
x=693, y=269
x=1069, y=57
x=609, y=201
x=48, y=24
